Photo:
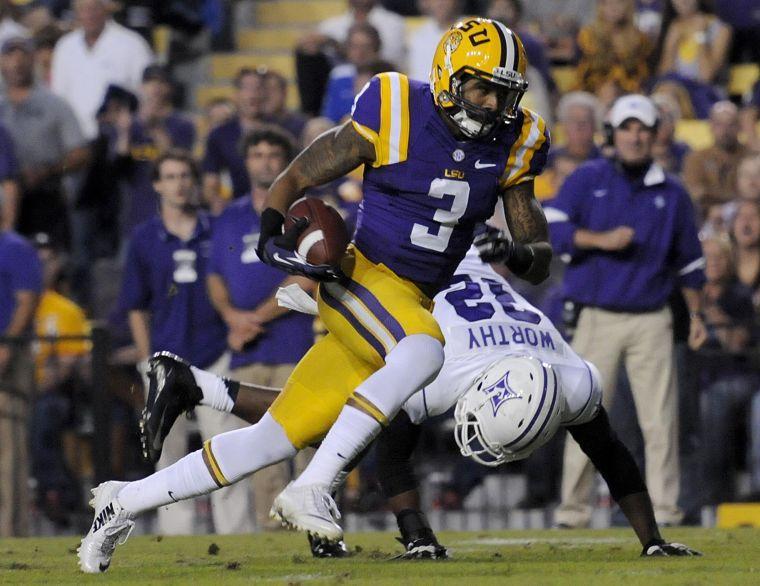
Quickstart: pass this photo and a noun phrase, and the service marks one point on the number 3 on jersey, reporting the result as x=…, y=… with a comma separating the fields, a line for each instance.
x=446, y=219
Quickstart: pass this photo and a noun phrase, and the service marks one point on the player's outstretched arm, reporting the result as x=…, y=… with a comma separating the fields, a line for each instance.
x=531, y=254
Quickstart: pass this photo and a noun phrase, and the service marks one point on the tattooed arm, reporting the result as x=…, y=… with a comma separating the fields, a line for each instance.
x=333, y=154
x=530, y=232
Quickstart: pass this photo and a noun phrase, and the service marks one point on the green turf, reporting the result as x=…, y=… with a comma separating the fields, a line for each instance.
x=504, y=557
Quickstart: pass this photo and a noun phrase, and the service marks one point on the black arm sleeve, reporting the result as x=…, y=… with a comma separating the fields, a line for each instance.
x=394, y=454
x=609, y=455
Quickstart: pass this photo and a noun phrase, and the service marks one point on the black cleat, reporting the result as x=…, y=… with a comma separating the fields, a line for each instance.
x=423, y=548
x=172, y=391
x=324, y=548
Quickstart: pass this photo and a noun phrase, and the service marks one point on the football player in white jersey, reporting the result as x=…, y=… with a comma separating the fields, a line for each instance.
x=512, y=378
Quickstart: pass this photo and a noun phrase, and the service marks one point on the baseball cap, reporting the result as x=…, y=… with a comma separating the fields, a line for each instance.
x=156, y=73
x=15, y=43
x=634, y=106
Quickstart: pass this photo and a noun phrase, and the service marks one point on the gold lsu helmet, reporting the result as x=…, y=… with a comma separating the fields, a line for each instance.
x=487, y=50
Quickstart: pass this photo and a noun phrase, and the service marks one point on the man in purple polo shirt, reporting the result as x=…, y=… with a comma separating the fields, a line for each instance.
x=267, y=341
x=140, y=139
x=627, y=231
x=20, y=286
x=223, y=144
x=165, y=296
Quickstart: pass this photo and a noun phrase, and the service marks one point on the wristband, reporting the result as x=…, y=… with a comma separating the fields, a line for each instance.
x=519, y=258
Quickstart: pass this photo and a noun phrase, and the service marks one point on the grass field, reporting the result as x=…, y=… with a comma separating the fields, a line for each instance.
x=505, y=557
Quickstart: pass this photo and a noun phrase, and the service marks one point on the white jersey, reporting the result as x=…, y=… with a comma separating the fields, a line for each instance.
x=483, y=319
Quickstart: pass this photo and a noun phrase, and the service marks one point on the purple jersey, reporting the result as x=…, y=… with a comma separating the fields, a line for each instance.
x=426, y=190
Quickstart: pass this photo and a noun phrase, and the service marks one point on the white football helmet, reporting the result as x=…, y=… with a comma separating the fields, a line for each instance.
x=510, y=410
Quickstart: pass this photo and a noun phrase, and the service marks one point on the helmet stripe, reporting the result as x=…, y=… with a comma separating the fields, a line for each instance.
x=500, y=29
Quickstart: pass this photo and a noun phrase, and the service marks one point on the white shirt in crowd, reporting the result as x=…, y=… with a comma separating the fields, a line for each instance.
x=81, y=74
x=422, y=46
x=391, y=26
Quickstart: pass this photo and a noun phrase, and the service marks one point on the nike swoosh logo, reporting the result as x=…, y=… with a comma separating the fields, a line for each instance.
x=479, y=165
x=171, y=496
x=277, y=257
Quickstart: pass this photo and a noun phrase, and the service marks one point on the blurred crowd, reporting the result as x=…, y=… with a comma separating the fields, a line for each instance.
x=123, y=203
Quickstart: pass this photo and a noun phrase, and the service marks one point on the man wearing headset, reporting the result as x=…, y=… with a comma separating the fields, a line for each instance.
x=627, y=231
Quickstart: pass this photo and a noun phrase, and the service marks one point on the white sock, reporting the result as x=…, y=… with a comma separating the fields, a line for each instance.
x=215, y=389
x=186, y=478
x=412, y=364
x=238, y=453
x=349, y=435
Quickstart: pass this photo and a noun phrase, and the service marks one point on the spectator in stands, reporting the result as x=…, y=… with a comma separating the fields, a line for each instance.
x=613, y=51
x=223, y=164
x=318, y=52
x=8, y=180
x=97, y=53
x=45, y=40
x=60, y=371
x=20, y=286
x=275, y=105
x=440, y=15
x=164, y=293
x=629, y=231
x=578, y=112
x=267, y=340
x=668, y=152
x=559, y=26
x=390, y=26
x=510, y=13
x=361, y=48
x=141, y=138
x=49, y=142
x=692, y=55
x=10, y=27
x=745, y=236
x=726, y=379
x=710, y=174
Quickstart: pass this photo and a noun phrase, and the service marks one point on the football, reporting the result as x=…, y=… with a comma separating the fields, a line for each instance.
x=325, y=239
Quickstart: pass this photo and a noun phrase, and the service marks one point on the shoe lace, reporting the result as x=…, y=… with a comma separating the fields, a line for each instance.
x=117, y=535
x=327, y=504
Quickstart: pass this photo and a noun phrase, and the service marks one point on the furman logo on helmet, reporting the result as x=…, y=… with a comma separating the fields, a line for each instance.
x=500, y=392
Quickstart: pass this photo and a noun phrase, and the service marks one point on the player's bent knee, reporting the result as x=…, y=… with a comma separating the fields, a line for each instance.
x=412, y=364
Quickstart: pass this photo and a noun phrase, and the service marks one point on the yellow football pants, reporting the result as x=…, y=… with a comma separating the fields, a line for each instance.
x=366, y=315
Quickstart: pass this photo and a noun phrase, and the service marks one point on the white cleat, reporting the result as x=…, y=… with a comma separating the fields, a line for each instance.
x=111, y=527
x=308, y=508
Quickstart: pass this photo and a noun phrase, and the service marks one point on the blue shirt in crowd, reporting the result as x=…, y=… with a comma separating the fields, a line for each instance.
x=598, y=196
x=8, y=162
x=250, y=282
x=142, y=200
x=167, y=278
x=224, y=153
x=20, y=270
